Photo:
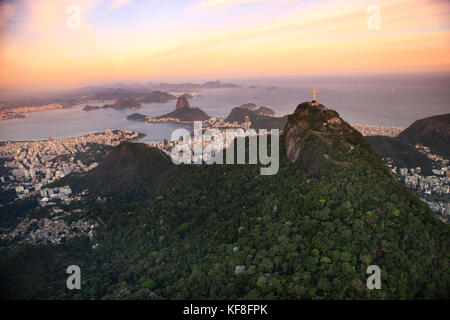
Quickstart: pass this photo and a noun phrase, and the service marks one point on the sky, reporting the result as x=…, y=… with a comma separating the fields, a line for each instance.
x=42, y=45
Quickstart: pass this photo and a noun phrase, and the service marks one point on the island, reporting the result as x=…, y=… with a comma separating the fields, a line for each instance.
x=88, y=108
x=257, y=118
x=137, y=117
x=183, y=113
x=123, y=103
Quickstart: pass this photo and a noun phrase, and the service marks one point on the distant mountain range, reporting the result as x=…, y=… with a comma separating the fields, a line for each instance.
x=122, y=103
x=195, y=86
x=142, y=92
x=141, y=96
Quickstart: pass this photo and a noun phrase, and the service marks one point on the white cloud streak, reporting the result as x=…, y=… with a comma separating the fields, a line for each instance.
x=119, y=3
x=208, y=5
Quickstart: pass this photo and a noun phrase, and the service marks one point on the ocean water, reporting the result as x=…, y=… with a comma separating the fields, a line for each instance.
x=75, y=122
x=388, y=101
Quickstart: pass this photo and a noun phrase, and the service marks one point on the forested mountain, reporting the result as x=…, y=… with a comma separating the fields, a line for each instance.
x=184, y=112
x=127, y=173
x=187, y=114
x=225, y=231
x=258, y=119
x=143, y=96
x=433, y=132
x=402, y=154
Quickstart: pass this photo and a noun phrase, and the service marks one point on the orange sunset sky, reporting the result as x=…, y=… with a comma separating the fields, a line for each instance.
x=209, y=39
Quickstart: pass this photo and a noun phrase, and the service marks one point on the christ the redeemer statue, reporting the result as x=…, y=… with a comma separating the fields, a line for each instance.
x=314, y=92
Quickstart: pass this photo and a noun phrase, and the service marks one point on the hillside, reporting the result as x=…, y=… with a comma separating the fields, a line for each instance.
x=156, y=97
x=187, y=114
x=225, y=231
x=402, y=154
x=112, y=94
x=90, y=108
x=127, y=173
x=123, y=103
x=141, y=95
x=259, y=121
x=137, y=117
x=265, y=111
x=433, y=132
x=317, y=138
x=184, y=112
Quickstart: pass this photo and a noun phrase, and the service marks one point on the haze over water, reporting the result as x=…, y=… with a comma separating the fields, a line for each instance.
x=388, y=101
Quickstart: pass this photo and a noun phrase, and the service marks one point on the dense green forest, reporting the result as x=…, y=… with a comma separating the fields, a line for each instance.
x=308, y=232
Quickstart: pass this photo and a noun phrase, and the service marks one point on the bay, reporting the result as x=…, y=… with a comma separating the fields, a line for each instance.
x=385, y=102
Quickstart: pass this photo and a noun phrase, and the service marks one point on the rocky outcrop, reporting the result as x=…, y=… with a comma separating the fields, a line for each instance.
x=315, y=137
x=293, y=149
x=182, y=103
x=184, y=112
x=334, y=121
x=187, y=114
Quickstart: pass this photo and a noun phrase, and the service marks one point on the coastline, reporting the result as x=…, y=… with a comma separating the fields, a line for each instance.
x=140, y=135
x=365, y=130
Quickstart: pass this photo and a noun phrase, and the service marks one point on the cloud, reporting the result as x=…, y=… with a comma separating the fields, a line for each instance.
x=207, y=5
x=315, y=37
x=47, y=18
x=10, y=14
x=118, y=3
